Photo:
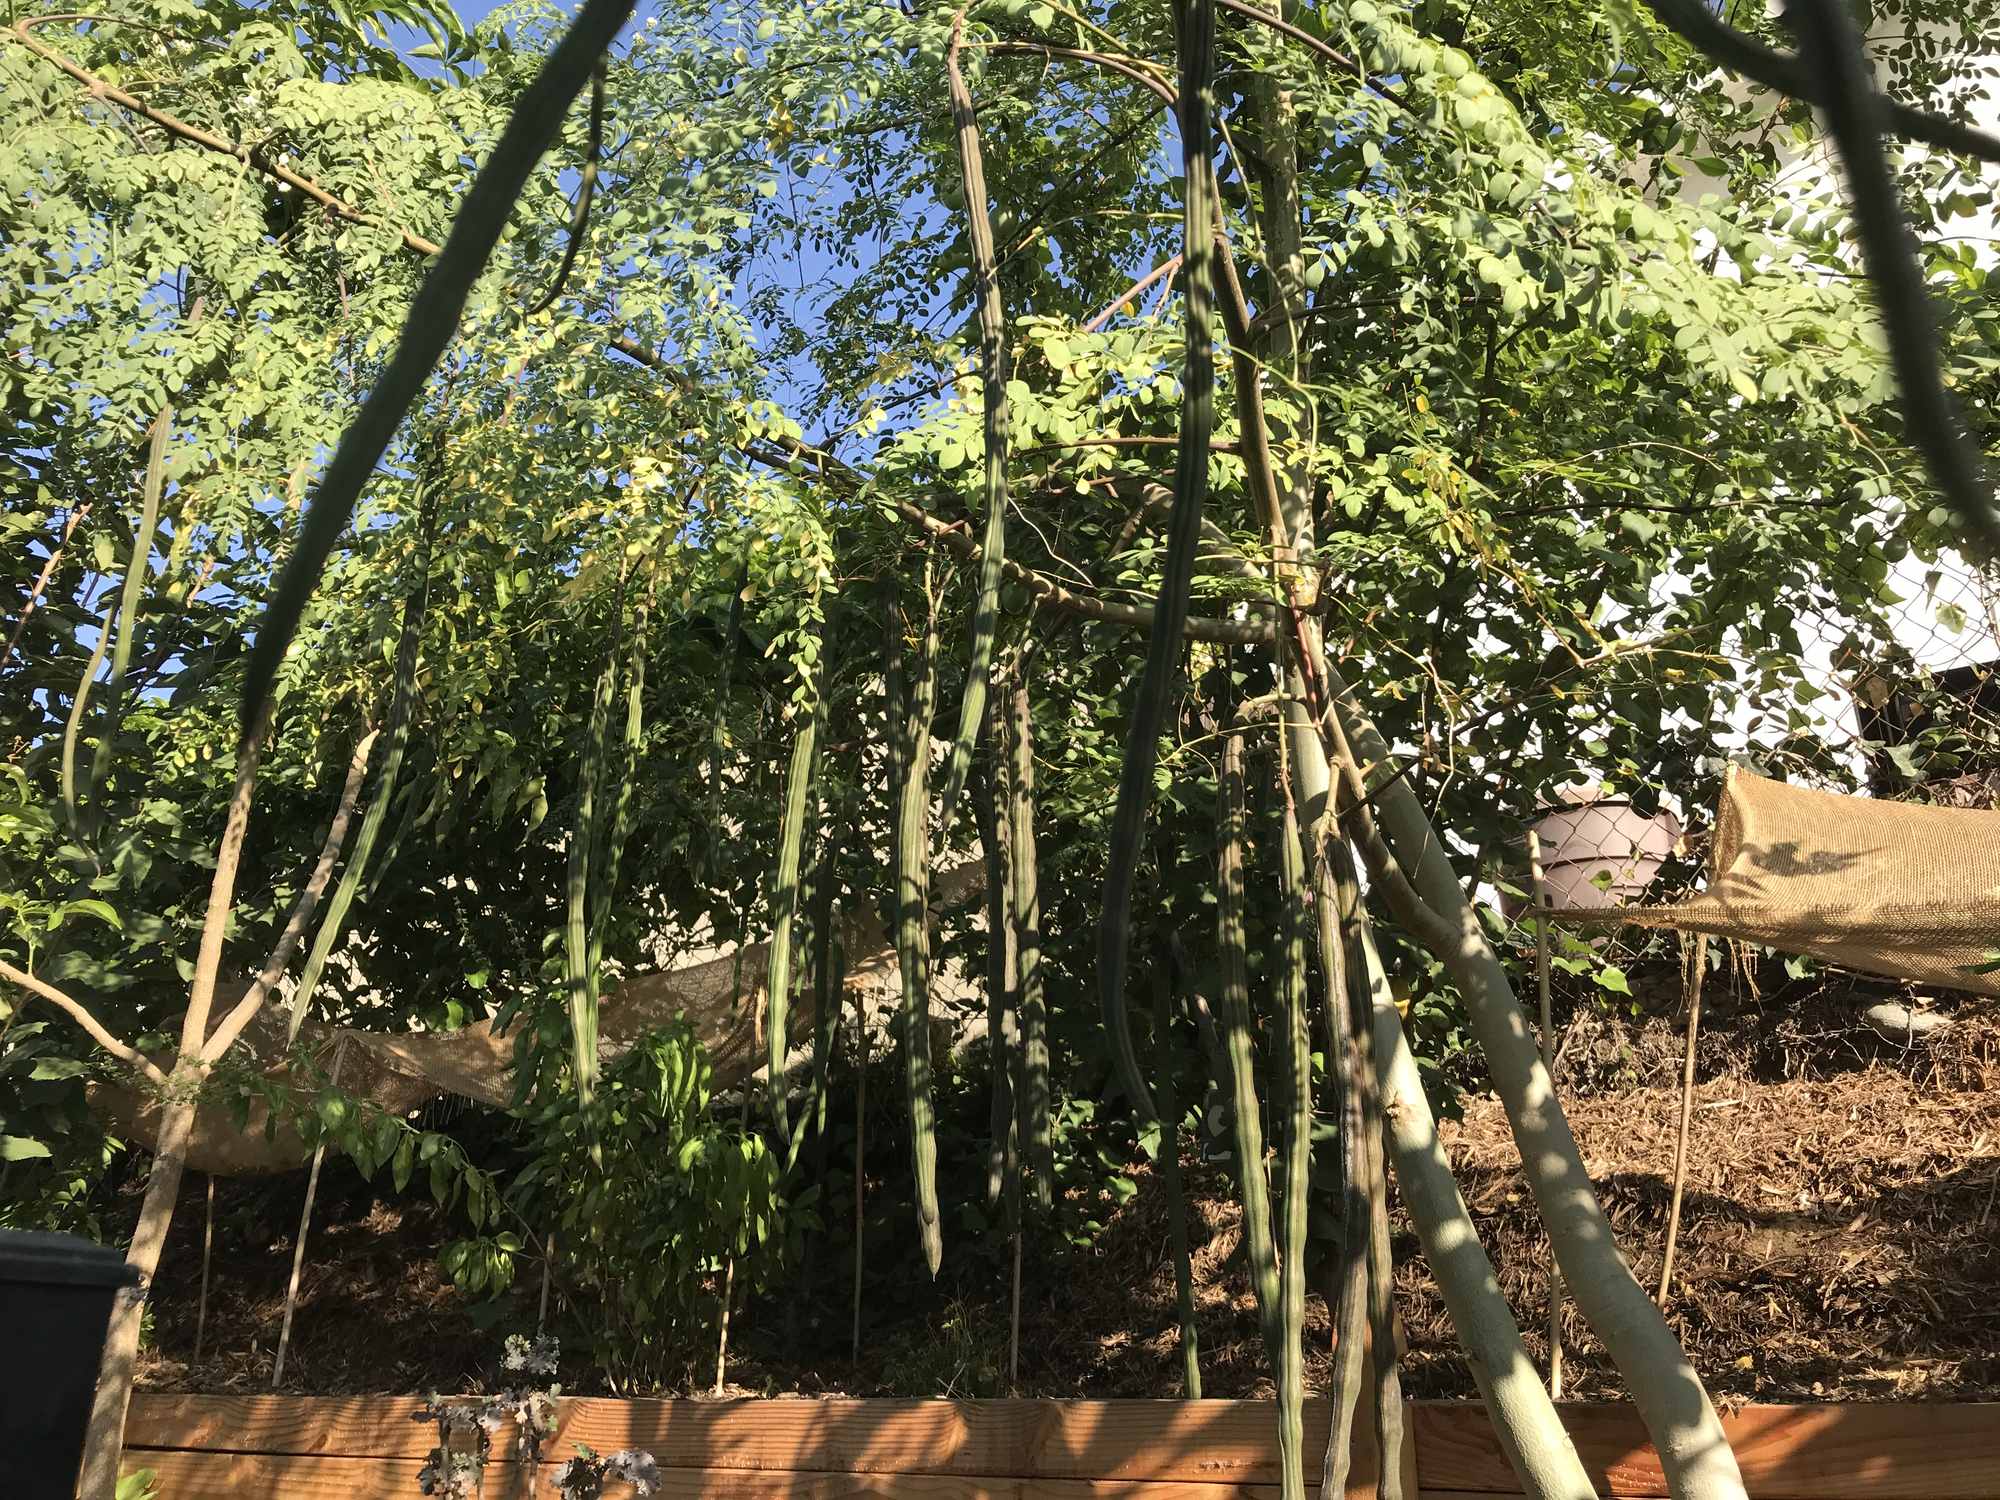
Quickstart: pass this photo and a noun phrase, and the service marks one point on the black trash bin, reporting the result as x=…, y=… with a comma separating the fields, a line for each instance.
x=56, y=1293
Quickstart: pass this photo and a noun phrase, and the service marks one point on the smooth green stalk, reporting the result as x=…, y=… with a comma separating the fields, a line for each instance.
x=913, y=933
x=1235, y=1020
x=137, y=571
x=427, y=328
x=784, y=911
x=993, y=368
x=1170, y=1177
x=1024, y=913
x=1194, y=25
x=401, y=696
x=1298, y=1164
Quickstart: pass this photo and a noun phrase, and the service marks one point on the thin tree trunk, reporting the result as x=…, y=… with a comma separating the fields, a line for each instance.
x=105, y=1440
x=299, y=1246
x=1541, y=895
x=1524, y=1419
x=1694, y=1451
x=1696, y=970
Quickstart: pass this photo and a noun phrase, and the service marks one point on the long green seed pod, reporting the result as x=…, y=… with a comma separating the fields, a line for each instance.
x=913, y=933
x=1001, y=1017
x=1298, y=1164
x=579, y=975
x=610, y=851
x=718, y=727
x=829, y=984
x=1235, y=1020
x=1024, y=914
x=74, y=727
x=1363, y=1289
x=784, y=910
x=993, y=368
x=1194, y=24
x=1170, y=1176
x=428, y=327
x=137, y=571
x=397, y=738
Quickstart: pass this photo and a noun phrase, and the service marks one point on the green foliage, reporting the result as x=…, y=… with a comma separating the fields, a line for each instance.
x=638, y=1236
x=1591, y=457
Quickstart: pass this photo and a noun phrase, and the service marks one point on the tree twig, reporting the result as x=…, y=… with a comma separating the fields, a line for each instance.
x=42, y=581
x=78, y=1012
x=302, y=909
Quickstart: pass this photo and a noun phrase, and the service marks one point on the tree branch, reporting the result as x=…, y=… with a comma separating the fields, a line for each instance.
x=302, y=910
x=1788, y=74
x=79, y=1013
x=207, y=140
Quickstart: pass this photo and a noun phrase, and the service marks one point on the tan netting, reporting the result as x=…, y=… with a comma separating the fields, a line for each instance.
x=1891, y=888
x=400, y=1071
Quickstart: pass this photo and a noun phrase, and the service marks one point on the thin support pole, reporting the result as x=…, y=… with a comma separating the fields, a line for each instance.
x=299, y=1245
x=207, y=1251
x=729, y=1264
x=548, y=1264
x=1541, y=894
x=1691, y=977
x=860, y=1145
x=1014, y=1322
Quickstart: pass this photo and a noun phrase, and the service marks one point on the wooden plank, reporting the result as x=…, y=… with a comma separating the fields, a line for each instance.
x=1901, y=1452
x=1193, y=1441
x=184, y=1475
x=1850, y=1452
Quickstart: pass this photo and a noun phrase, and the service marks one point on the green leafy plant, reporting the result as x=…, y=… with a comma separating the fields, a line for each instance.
x=639, y=1235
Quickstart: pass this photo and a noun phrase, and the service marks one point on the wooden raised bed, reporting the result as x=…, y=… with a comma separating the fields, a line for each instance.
x=368, y=1448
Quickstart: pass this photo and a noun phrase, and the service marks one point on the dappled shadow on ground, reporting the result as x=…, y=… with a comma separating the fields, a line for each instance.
x=1841, y=1239
x=1839, y=1236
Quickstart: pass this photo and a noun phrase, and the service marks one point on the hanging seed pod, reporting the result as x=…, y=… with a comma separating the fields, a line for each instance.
x=72, y=799
x=1024, y=913
x=579, y=974
x=1002, y=1039
x=1194, y=25
x=1235, y=1021
x=1170, y=1173
x=610, y=852
x=137, y=571
x=784, y=911
x=718, y=729
x=993, y=367
x=1294, y=921
x=913, y=931
x=401, y=696
x=1349, y=1055
x=827, y=984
